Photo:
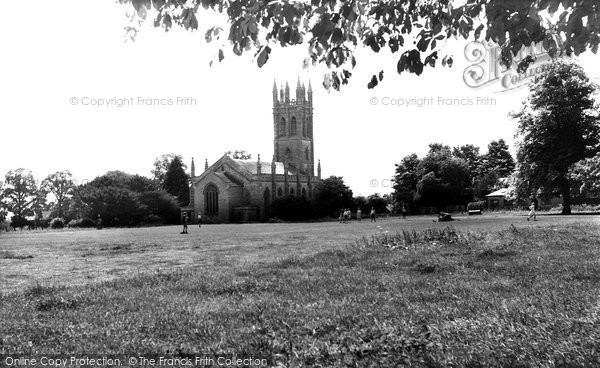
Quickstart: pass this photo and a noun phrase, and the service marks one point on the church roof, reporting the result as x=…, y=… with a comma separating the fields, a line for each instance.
x=265, y=167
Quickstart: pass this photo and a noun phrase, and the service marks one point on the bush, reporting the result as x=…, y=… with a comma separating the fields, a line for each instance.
x=18, y=221
x=161, y=207
x=57, y=223
x=154, y=219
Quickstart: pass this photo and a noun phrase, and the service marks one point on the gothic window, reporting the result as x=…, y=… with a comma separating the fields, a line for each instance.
x=291, y=191
x=288, y=153
x=310, y=128
x=304, y=192
x=281, y=131
x=211, y=200
x=293, y=126
x=279, y=192
x=304, y=127
x=306, y=154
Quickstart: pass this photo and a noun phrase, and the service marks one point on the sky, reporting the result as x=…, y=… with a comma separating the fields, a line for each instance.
x=60, y=60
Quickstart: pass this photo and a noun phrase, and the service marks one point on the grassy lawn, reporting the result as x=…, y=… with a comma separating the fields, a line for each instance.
x=490, y=292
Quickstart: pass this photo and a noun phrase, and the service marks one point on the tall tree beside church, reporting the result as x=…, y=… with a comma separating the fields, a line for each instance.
x=332, y=194
x=558, y=126
x=177, y=182
x=161, y=165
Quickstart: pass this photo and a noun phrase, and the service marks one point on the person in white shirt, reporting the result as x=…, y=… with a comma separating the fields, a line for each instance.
x=531, y=212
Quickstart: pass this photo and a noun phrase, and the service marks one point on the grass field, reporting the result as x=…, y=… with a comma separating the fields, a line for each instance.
x=493, y=291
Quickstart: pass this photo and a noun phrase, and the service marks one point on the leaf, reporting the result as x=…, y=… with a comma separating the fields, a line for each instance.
x=158, y=4
x=337, y=37
x=381, y=75
x=431, y=59
x=221, y=56
x=524, y=64
x=373, y=83
x=478, y=31
x=393, y=44
x=263, y=56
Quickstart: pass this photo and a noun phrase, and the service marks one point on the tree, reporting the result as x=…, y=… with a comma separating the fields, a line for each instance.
x=558, y=126
x=61, y=185
x=162, y=205
x=239, y=155
x=498, y=159
x=377, y=202
x=585, y=175
x=161, y=165
x=470, y=154
x=332, y=194
x=443, y=178
x=177, y=182
x=3, y=212
x=20, y=193
x=406, y=179
x=360, y=203
x=418, y=30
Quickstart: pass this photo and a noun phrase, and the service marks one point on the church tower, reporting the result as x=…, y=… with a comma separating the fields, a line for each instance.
x=293, y=128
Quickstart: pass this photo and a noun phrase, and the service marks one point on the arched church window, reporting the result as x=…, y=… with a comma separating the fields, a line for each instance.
x=292, y=191
x=211, y=200
x=279, y=192
x=310, y=128
x=281, y=131
x=304, y=192
x=288, y=153
x=293, y=126
x=306, y=154
x=304, y=127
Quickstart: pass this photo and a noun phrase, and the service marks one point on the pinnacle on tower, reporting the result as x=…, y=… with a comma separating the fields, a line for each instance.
x=205, y=164
x=258, y=166
x=287, y=92
x=274, y=92
x=319, y=169
x=193, y=169
x=299, y=91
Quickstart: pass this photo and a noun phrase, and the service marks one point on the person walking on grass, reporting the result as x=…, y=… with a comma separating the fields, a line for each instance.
x=359, y=215
x=404, y=211
x=185, y=221
x=373, y=214
x=199, y=221
x=531, y=212
x=341, y=215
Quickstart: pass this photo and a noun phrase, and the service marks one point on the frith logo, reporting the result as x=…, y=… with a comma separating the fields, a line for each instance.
x=486, y=70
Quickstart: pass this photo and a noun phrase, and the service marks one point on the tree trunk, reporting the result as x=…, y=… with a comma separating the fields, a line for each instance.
x=566, y=196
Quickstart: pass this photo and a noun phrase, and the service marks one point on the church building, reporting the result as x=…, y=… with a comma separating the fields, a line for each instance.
x=232, y=190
